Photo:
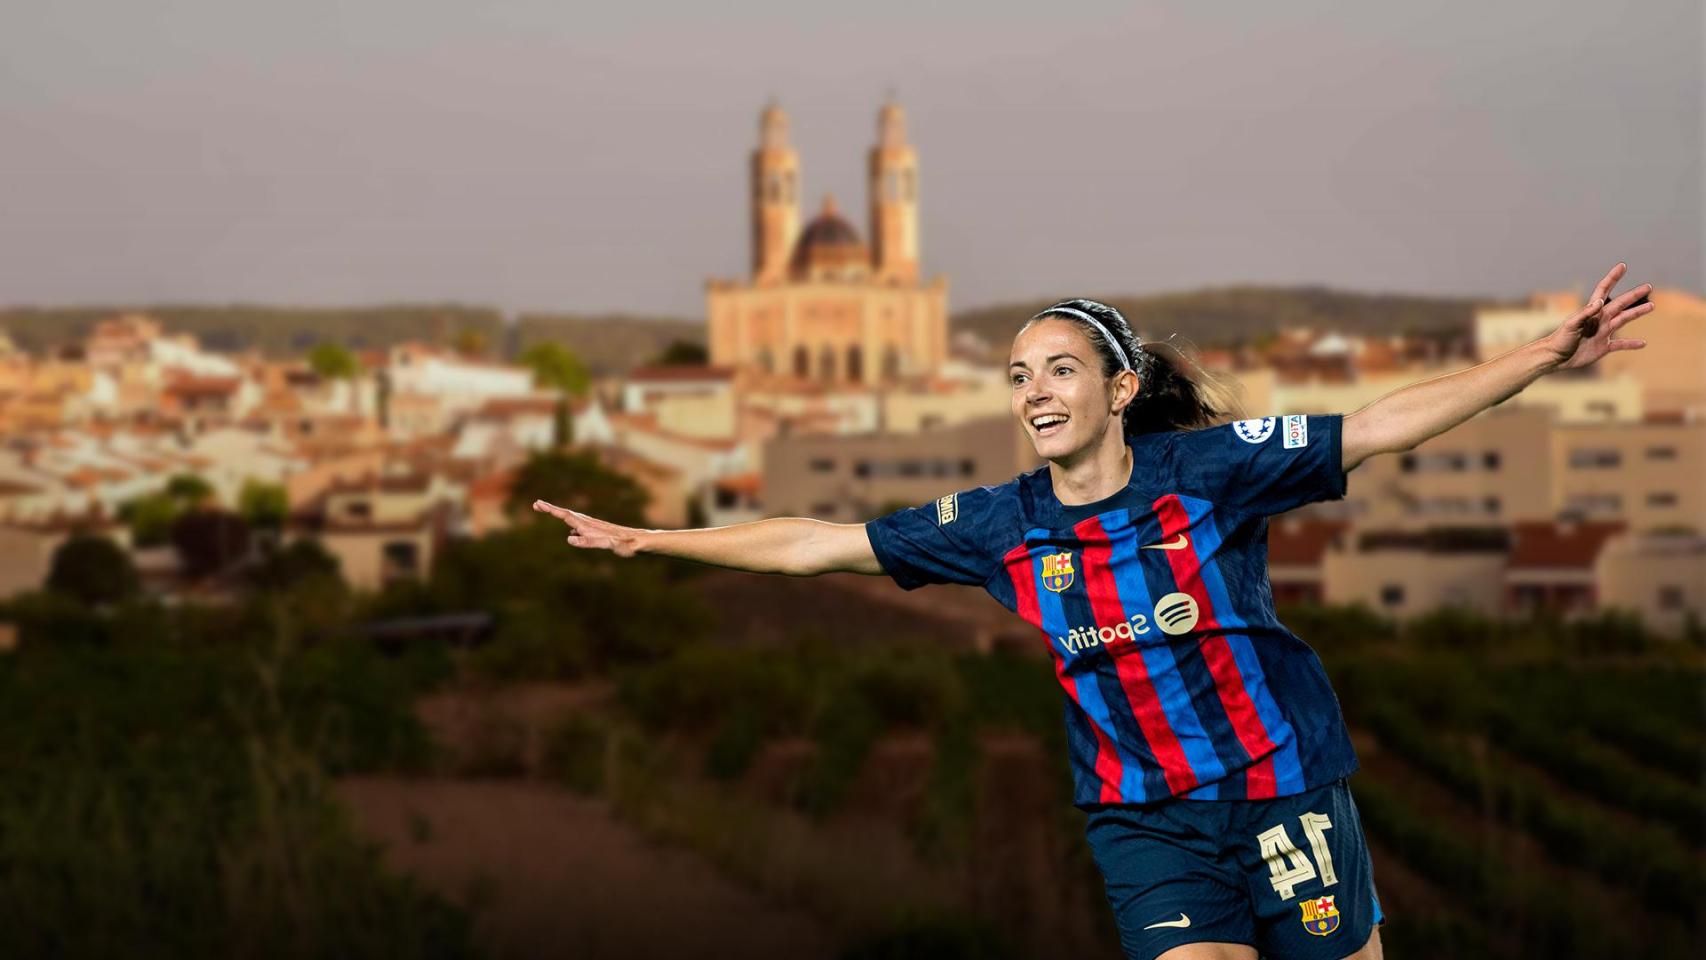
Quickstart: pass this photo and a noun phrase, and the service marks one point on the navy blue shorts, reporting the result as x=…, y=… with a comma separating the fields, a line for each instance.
x=1289, y=876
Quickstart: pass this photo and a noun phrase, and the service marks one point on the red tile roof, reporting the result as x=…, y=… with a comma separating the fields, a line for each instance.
x=510, y=406
x=1293, y=541
x=492, y=486
x=749, y=484
x=678, y=373
x=1553, y=546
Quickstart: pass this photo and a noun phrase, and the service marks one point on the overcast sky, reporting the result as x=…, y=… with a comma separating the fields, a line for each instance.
x=573, y=156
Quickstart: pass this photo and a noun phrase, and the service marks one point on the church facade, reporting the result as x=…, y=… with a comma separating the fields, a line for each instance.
x=823, y=306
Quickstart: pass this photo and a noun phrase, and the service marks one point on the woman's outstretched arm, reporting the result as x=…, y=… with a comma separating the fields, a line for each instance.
x=796, y=546
x=1406, y=417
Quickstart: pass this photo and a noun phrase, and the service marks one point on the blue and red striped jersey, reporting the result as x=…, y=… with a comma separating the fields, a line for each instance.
x=1178, y=679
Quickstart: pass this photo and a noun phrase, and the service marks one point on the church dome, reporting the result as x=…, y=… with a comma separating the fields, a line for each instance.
x=829, y=248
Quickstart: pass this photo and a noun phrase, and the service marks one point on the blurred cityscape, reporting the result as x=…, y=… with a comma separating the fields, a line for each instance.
x=288, y=667
x=832, y=383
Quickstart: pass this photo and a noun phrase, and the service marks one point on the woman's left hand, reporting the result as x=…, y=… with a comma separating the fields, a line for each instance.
x=1587, y=335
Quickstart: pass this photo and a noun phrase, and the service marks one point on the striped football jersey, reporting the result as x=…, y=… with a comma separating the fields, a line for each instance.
x=1178, y=680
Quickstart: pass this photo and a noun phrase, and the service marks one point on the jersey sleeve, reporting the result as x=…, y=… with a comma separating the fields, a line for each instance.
x=1265, y=466
x=944, y=541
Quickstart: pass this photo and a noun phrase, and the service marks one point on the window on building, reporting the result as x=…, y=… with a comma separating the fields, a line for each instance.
x=826, y=363
x=1595, y=458
x=1670, y=597
x=968, y=467
x=1490, y=460
x=1594, y=503
x=1661, y=453
x=821, y=465
x=1490, y=504
x=401, y=559
x=1603, y=409
x=1661, y=498
x=862, y=468
x=1407, y=463
x=802, y=362
x=855, y=363
x=765, y=361
x=911, y=468
x=1392, y=595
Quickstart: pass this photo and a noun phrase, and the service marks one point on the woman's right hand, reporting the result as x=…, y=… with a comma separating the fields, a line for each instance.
x=592, y=533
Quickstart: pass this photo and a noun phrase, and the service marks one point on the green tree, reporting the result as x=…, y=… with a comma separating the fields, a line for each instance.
x=557, y=367
x=189, y=490
x=93, y=570
x=150, y=517
x=682, y=353
x=579, y=481
x=302, y=561
x=333, y=361
x=263, y=505
x=210, y=541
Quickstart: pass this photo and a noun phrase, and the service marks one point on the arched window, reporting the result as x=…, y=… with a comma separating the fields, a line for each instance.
x=764, y=360
x=826, y=363
x=802, y=362
x=855, y=364
x=891, y=363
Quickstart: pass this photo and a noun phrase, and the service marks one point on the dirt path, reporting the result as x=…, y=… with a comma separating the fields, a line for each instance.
x=550, y=874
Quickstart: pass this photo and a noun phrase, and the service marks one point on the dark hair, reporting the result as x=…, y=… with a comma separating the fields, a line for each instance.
x=1173, y=393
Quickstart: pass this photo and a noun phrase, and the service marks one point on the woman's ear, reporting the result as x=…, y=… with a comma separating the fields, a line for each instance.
x=1127, y=385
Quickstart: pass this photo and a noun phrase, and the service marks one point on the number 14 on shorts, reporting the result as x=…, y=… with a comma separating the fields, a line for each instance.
x=1287, y=865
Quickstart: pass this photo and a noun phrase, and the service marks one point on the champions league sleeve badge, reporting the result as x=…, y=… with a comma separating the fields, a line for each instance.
x=1254, y=431
x=1320, y=916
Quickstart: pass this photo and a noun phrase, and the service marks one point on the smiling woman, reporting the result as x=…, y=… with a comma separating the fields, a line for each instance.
x=1206, y=745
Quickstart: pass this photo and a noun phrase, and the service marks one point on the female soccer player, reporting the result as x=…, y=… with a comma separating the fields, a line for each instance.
x=1206, y=746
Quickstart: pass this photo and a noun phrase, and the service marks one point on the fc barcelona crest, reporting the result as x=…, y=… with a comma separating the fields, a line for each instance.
x=1057, y=570
x=1320, y=916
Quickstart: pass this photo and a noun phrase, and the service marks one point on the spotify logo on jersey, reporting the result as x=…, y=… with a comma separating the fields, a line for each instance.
x=1176, y=613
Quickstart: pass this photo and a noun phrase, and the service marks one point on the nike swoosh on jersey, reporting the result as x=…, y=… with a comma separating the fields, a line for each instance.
x=1183, y=921
x=1178, y=543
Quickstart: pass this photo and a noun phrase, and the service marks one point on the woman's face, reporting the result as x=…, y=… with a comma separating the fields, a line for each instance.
x=1055, y=374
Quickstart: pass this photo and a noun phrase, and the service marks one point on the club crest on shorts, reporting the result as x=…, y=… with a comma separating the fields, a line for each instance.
x=1057, y=570
x=1320, y=916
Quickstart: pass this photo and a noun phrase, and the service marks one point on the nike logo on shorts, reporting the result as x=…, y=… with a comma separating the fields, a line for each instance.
x=1178, y=543
x=1183, y=921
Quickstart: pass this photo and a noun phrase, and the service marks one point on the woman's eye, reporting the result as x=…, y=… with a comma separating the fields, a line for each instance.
x=1057, y=370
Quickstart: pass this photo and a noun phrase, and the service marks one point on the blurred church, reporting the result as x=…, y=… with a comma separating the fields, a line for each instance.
x=822, y=305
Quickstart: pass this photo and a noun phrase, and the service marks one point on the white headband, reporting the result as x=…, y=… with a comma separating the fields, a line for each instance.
x=1118, y=351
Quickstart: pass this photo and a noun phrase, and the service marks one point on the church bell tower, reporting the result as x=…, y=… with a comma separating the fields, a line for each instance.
x=775, y=198
x=894, y=200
